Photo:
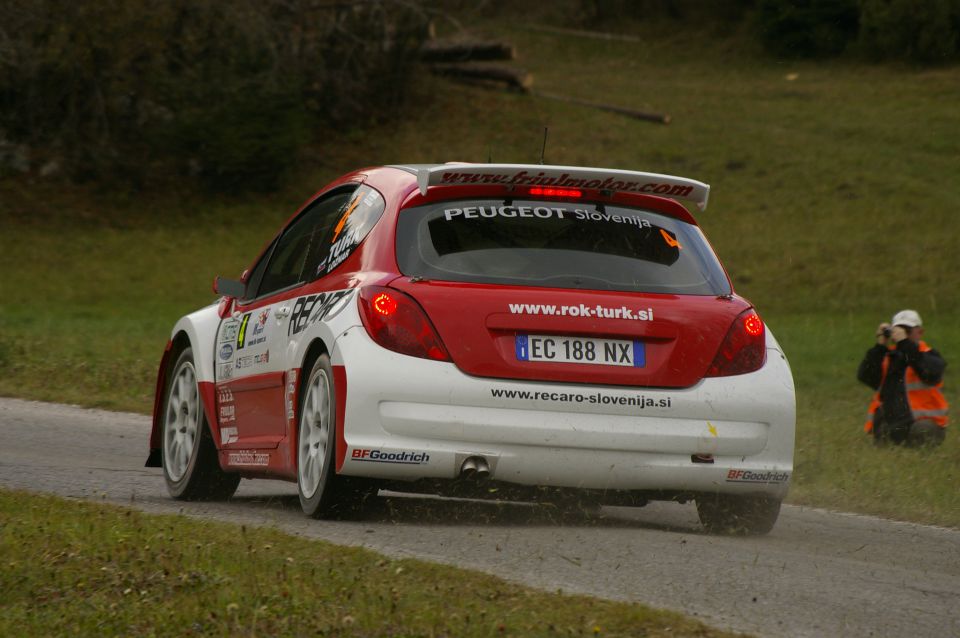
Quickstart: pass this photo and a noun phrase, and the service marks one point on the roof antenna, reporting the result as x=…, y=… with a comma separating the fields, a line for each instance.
x=490, y=154
x=543, y=149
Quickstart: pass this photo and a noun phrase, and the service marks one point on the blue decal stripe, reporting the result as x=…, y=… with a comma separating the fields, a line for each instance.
x=639, y=354
x=523, y=351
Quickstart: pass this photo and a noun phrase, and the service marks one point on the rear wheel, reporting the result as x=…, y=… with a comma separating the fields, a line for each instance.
x=323, y=493
x=748, y=515
x=190, y=464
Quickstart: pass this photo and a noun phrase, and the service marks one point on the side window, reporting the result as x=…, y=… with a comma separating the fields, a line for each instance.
x=353, y=223
x=285, y=266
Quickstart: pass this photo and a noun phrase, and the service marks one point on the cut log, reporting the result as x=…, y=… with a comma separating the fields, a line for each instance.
x=596, y=35
x=513, y=78
x=465, y=51
x=659, y=118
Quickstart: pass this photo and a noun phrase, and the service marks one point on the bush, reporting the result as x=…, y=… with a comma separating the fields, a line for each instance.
x=227, y=91
x=806, y=28
x=921, y=32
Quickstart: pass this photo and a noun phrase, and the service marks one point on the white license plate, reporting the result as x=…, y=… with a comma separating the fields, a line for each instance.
x=556, y=349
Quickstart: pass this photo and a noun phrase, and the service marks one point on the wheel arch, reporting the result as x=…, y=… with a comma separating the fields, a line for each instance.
x=198, y=331
x=316, y=347
x=319, y=346
x=177, y=344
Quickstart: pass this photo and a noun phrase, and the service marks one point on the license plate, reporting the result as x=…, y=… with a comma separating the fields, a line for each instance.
x=555, y=349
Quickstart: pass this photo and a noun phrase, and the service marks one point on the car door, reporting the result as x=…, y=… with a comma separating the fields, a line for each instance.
x=253, y=344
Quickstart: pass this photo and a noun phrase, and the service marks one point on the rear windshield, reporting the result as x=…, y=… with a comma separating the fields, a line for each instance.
x=557, y=245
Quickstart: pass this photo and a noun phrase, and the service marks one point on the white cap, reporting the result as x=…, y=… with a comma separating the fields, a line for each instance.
x=908, y=318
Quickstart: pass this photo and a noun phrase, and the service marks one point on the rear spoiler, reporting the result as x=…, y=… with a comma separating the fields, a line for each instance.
x=561, y=177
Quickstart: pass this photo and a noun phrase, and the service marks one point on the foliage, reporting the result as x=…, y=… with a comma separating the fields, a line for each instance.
x=806, y=28
x=229, y=91
x=921, y=32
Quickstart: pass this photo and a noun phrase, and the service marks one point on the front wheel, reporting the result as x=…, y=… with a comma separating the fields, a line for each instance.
x=190, y=464
x=748, y=515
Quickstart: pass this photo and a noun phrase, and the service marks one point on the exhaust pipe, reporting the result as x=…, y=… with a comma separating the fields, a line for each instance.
x=483, y=470
x=474, y=467
x=469, y=468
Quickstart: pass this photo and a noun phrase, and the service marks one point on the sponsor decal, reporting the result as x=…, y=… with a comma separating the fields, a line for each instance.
x=477, y=212
x=226, y=351
x=225, y=371
x=242, y=332
x=343, y=219
x=224, y=395
x=751, y=476
x=582, y=310
x=357, y=219
x=595, y=398
x=252, y=360
x=228, y=413
x=252, y=334
x=290, y=393
x=228, y=435
x=228, y=333
x=524, y=178
x=313, y=308
x=249, y=458
x=542, y=212
x=398, y=458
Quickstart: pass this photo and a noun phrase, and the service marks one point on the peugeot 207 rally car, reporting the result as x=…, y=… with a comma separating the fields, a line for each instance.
x=432, y=326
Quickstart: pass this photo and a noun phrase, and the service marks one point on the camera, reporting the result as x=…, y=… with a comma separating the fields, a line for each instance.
x=886, y=333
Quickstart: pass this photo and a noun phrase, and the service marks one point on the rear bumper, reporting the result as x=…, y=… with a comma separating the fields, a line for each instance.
x=409, y=418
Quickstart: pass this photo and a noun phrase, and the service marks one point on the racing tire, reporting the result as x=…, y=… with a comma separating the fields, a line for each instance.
x=191, y=466
x=323, y=493
x=749, y=515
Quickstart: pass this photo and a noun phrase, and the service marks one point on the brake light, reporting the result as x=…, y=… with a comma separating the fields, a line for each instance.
x=556, y=192
x=743, y=349
x=397, y=322
x=384, y=304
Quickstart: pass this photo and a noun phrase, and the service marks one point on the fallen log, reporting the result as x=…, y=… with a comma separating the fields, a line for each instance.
x=596, y=35
x=659, y=118
x=513, y=78
x=465, y=50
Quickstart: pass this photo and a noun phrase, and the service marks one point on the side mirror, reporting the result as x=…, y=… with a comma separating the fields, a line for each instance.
x=229, y=287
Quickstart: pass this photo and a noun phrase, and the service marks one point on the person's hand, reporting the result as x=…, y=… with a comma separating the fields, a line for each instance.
x=881, y=339
x=898, y=334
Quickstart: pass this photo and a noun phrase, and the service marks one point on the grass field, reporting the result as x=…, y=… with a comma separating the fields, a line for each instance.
x=833, y=206
x=85, y=569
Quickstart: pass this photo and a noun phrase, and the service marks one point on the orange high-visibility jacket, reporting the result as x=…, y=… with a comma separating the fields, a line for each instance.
x=926, y=401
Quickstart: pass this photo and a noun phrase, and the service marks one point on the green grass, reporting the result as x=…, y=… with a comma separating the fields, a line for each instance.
x=833, y=206
x=77, y=568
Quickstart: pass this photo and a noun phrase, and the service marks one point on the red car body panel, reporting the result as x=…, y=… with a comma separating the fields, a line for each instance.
x=680, y=341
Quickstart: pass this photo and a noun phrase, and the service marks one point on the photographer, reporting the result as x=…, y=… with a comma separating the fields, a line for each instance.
x=909, y=407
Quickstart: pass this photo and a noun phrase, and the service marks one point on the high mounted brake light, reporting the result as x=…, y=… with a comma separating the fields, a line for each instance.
x=556, y=192
x=576, y=177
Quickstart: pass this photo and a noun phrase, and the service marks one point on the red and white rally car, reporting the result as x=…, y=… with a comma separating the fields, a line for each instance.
x=440, y=325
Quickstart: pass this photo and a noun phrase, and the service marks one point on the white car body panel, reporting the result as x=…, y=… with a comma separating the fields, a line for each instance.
x=422, y=418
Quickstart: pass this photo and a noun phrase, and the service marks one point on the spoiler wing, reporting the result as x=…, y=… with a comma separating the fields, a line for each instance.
x=616, y=180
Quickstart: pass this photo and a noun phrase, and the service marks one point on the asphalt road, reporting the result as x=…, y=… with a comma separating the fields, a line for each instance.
x=818, y=573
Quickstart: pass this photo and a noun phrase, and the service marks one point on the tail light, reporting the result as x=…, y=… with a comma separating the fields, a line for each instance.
x=743, y=349
x=396, y=322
